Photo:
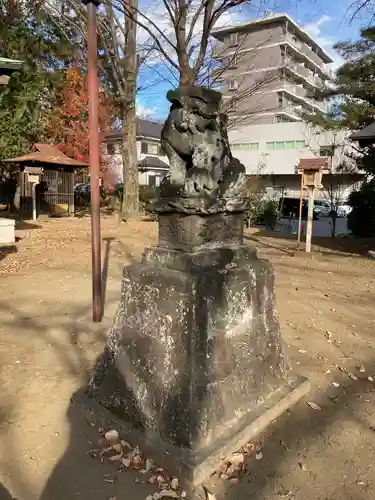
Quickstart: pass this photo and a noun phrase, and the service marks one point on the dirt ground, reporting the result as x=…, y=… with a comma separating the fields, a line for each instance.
x=48, y=344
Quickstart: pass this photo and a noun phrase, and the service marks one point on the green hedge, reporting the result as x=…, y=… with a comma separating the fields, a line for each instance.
x=361, y=220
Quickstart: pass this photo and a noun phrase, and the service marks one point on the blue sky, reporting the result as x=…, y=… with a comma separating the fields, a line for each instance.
x=327, y=20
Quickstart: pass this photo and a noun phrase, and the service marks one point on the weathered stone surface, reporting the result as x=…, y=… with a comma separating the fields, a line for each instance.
x=7, y=231
x=195, y=139
x=195, y=345
x=194, y=361
x=195, y=232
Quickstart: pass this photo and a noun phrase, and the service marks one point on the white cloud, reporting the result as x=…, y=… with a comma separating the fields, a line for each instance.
x=144, y=112
x=314, y=29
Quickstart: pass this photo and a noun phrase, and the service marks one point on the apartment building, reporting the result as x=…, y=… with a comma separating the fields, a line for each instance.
x=153, y=164
x=275, y=150
x=270, y=70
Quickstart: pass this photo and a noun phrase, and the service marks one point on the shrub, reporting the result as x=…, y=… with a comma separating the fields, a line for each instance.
x=361, y=220
x=146, y=195
x=263, y=211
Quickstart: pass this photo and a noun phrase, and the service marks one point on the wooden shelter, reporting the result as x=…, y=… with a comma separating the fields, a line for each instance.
x=365, y=136
x=46, y=180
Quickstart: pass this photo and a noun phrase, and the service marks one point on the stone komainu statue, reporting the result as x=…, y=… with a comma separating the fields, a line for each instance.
x=195, y=140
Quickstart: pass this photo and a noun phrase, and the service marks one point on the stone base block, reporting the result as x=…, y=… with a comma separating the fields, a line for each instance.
x=195, y=360
x=7, y=231
x=193, y=467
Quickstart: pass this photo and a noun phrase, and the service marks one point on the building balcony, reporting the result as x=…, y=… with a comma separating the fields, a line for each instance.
x=297, y=92
x=290, y=111
x=300, y=70
x=309, y=55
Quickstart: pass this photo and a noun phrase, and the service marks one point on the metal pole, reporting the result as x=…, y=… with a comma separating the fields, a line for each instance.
x=94, y=146
x=33, y=194
x=300, y=214
x=310, y=216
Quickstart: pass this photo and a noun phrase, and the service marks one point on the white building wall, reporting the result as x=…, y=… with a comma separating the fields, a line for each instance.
x=116, y=170
x=259, y=158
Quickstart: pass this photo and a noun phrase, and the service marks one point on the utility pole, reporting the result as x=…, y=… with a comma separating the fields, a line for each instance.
x=94, y=157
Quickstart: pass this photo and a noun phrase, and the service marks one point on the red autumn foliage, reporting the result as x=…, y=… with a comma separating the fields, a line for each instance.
x=68, y=127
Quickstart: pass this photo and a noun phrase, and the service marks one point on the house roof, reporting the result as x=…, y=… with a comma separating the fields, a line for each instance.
x=366, y=133
x=313, y=163
x=7, y=67
x=153, y=162
x=45, y=153
x=253, y=25
x=10, y=63
x=145, y=128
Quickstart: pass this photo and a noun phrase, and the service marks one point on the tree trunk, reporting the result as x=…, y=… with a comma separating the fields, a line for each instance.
x=187, y=76
x=130, y=200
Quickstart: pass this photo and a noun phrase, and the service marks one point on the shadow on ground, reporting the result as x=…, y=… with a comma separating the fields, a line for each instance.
x=346, y=246
x=4, y=493
x=285, y=441
x=7, y=250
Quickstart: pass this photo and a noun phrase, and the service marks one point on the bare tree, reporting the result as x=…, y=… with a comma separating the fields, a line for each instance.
x=192, y=22
x=361, y=6
x=119, y=65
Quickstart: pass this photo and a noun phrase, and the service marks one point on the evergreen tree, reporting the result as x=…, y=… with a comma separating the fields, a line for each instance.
x=353, y=107
x=25, y=103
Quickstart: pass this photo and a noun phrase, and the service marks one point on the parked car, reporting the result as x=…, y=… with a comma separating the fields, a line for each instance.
x=343, y=209
x=289, y=207
x=323, y=206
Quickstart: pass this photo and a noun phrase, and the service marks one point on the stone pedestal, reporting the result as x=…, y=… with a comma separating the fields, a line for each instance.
x=194, y=359
x=7, y=231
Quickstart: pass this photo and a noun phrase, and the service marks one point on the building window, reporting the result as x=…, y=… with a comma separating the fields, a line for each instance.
x=326, y=151
x=233, y=61
x=160, y=151
x=152, y=180
x=286, y=145
x=144, y=148
x=233, y=39
x=113, y=148
x=233, y=85
x=152, y=148
x=254, y=146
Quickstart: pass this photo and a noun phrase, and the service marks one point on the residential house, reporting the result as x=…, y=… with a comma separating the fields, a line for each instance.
x=152, y=162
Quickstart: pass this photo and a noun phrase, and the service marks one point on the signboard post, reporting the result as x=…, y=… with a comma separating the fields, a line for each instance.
x=33, y=178
x=311, y=178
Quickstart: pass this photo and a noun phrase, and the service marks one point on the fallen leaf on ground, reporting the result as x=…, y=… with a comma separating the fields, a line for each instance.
x=284, y=445
x=314, y=406
x=112, y=435
x=209, y=496
x=164, y=494
x=175, y=483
